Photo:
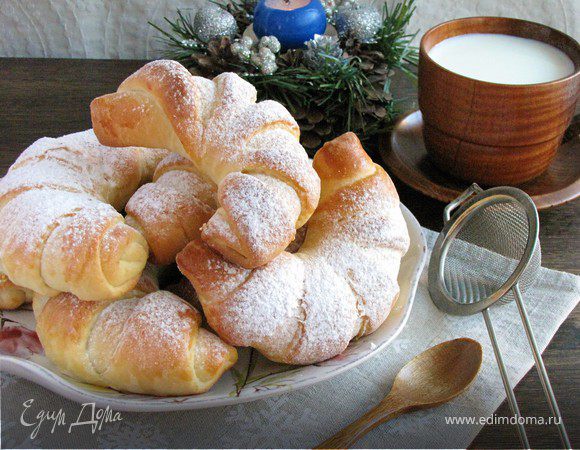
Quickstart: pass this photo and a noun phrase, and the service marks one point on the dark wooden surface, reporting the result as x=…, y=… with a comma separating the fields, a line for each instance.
x=406, y=157
x=51, y=97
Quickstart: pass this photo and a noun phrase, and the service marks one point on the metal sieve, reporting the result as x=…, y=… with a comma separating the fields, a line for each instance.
x=489, y=252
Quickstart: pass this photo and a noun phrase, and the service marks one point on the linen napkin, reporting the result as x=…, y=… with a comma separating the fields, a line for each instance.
x=307, y=417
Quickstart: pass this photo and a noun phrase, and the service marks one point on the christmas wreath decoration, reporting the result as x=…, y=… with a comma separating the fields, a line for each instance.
x=335, y=83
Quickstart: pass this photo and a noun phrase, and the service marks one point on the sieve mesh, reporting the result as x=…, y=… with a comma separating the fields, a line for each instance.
x=489, y=246
x=495, y=236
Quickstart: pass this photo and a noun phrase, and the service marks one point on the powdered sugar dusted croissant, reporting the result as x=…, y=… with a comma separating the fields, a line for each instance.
x=171, y=210
x=305, y=307
x=59, y=228
x=148, y=343
x=266, y=185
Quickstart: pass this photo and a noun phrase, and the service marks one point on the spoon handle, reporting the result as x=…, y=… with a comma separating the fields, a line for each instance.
x=388, y=409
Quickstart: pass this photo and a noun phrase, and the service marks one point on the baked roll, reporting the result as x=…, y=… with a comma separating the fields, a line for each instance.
x=267, y=187
x=59, y=225
x=12, y=296
x=171, y=210
x=305, y=307
x=149, y=343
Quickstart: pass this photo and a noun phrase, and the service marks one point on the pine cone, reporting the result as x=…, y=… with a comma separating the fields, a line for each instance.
x=220, y=48
x=290, y=58
x=311, y=141
x=323, y=129
x=299, y=113
x=314, y=116
x=243, y=12
x=216, y=60
x=315, y=127
x=204, y=62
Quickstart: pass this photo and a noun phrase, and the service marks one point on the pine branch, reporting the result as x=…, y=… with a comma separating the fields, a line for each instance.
x=393, y=40
x=350, y=93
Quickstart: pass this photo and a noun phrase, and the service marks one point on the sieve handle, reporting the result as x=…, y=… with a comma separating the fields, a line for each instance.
x=469, y=192
x=547, y=387
x=511, y=398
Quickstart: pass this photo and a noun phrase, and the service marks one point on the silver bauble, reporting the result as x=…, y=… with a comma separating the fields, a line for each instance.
x=361, y=23
x=212, y=22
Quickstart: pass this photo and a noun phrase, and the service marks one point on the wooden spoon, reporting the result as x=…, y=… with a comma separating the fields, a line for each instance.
x=432, y=378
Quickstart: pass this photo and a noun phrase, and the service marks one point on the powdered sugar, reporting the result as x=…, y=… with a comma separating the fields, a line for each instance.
x=264, y=310
x=55, y=206
x=229, y=130
x=171, y=211
x=162, y=200
x=155, y=329
x=262, y=211
x=191, y=185
x=306, y=307
x=223, y=130
x=161, y=315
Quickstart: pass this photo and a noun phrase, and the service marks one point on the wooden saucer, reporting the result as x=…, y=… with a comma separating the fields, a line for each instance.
x=405, y=156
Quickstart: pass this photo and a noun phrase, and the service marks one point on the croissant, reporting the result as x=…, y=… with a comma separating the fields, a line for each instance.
x=267, y=187
x=12, y=296
x=148, y=343
x=59, y=230
x=170, y=211
x=305, y=307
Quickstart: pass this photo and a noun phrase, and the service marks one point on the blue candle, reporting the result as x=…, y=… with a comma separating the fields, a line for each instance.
x=293, y=22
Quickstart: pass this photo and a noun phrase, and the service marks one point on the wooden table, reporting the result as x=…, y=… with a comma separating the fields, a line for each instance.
x=50, y=97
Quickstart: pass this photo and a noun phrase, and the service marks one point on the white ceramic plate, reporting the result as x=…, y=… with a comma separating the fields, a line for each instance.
x=252, y=378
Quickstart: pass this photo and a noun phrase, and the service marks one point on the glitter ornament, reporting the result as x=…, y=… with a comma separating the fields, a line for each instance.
x=348, y=4
x=263, y=56
x=266, y=54
x=247, y=42
x=321, y=52
x=330, y=8
x=242, y=52
x=212, y=22
x=190, y=43
x=268, y=68
x=242, y=48
x=256, y=60
x=270, y=42
x=361, y=22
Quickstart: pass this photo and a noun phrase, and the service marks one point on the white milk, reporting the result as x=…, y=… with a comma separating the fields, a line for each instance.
x=499, y=58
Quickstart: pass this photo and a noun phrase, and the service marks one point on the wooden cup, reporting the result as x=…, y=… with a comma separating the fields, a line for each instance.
x=491, y=133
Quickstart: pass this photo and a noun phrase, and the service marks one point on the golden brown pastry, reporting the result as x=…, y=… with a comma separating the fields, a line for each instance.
x=59, y=225
x=12, y=296
x=170, y=211
x=266, y=185
x=148, y=343
x=305, y=307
